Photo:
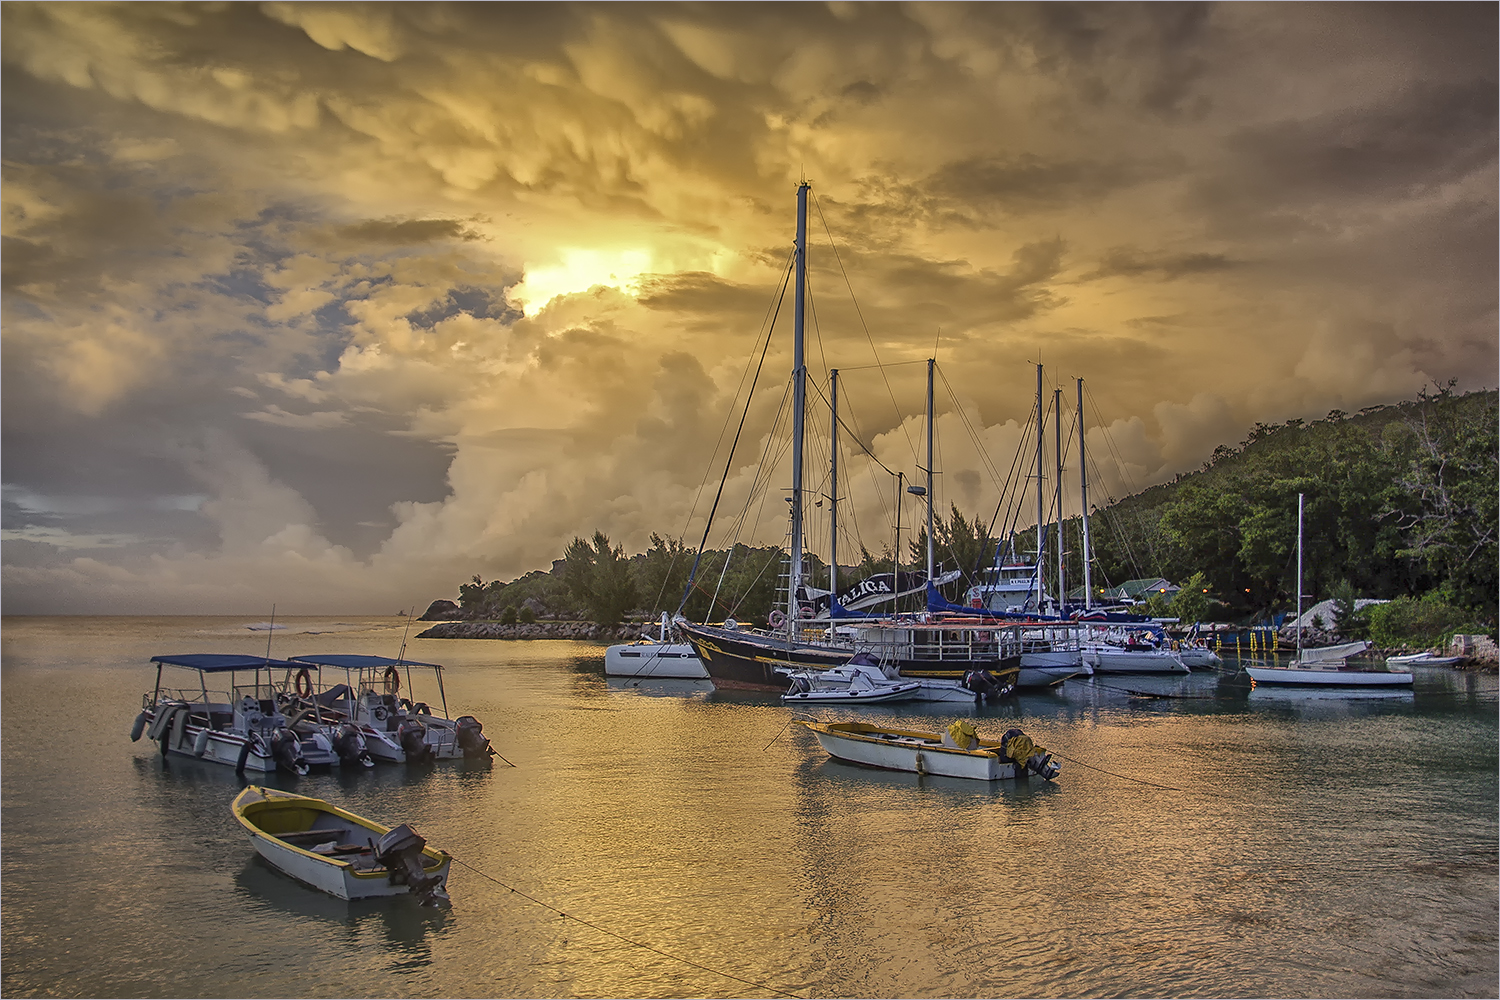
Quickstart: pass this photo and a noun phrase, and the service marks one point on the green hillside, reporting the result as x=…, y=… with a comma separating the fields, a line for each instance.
x=1400, y=501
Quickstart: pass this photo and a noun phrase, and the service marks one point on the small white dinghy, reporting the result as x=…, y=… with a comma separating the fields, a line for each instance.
x=956, y=753
x=338, y=852
x=1423, y=660
x=852, y=684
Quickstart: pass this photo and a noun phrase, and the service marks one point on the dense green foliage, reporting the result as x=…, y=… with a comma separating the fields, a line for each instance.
x=1401, y=502
x=599, y=578
x=1417, y=623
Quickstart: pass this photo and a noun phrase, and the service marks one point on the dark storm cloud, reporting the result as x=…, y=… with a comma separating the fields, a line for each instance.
x=1134, y=262
x=392, y=294
x=407, y=232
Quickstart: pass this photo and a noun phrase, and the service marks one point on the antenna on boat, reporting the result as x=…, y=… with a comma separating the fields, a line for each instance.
x=401, y=656
x=270, y=631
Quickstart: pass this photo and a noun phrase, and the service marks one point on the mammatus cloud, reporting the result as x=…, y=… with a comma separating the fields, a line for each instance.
x=336, y=306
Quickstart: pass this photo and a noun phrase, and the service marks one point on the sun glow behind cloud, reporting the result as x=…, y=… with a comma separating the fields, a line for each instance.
x=402, y=293
x=580, y=271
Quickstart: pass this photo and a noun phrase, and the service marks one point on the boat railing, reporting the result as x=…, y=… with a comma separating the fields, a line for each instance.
x=192, y=696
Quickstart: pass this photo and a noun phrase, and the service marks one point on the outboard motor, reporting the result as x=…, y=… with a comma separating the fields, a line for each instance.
x=401, y=851
x=1020, y=748
x=412, y=736
x=471, y=738
x=286, y=751
x=982, y=683
x=349, y=744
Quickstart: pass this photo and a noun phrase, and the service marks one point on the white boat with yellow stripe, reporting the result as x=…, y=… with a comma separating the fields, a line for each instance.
x=338, y=852
x=958, y=752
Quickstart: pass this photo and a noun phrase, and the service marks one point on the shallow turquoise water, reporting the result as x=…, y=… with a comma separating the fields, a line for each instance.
x=1220, y=843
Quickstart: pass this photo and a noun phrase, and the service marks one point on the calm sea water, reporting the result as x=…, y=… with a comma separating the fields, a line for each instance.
x=1220, y=843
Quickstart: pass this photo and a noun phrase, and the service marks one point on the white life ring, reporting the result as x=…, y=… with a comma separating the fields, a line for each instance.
x=776, y=619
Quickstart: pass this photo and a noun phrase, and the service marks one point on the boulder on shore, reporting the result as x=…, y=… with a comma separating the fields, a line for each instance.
x=441, y=611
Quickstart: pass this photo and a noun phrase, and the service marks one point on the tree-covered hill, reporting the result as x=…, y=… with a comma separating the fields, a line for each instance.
x=1400, y=500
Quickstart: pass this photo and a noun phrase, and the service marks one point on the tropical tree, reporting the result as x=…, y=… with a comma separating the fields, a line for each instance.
x=599, y=578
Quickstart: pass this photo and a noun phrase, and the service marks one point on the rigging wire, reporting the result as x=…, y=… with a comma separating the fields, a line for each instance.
x=865, y=326
x=621, y=937
x=728, y=463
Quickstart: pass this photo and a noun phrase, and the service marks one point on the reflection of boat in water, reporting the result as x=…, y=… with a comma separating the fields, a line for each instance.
x=662, y=686
x=1291, y=694
x=958, y=752
x=334, y=850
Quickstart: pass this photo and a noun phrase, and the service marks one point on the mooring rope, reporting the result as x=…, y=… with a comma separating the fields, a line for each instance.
x=1153, y=694
x=1112, y=774
x=630, y=941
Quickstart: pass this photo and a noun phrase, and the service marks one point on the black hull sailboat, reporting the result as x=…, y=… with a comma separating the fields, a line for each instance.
x=739, y=660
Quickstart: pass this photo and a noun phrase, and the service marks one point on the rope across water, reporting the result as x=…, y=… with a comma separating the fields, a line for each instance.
x=630, y=941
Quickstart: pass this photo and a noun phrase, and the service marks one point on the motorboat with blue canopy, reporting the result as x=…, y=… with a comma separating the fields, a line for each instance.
x=239, y=724
x=377, y=694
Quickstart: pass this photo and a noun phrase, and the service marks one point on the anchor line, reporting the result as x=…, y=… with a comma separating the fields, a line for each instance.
x=629, y=941
x=1112, y=774
x=1153, y=694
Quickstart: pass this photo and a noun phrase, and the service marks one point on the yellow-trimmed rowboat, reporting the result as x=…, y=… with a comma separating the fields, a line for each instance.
x=1011, y=756
x=338, y=852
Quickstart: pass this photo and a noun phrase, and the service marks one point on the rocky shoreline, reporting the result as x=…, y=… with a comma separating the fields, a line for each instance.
x=533, y=630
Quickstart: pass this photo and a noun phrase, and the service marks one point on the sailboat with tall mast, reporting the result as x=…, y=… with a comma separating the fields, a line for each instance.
x=763, y=659
x=1326, y=666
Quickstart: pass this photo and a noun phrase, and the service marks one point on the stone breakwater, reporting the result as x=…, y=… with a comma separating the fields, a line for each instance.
x=533, y=630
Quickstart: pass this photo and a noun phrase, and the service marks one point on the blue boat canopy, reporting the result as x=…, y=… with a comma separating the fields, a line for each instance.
x=356, y=661
x=213, y=663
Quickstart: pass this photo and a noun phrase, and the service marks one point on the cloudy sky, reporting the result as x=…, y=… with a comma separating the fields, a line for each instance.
x=336, y=305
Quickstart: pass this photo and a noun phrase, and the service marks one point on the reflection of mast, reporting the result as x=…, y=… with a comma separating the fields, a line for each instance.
x=799, y=399
x=1083, y=503
x=1062, y=590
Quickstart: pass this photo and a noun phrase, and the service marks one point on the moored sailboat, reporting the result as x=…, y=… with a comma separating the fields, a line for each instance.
x=1327, y=666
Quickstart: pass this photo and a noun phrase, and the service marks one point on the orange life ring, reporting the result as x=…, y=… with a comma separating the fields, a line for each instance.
x=392, y=680
x=304, y=683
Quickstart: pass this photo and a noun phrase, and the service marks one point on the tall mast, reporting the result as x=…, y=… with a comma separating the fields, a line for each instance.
x=1299, y=577
x=896, y=553
x=799, y=398
x=833, y=491
x=1057, y=432
x=930, y=363
x=1083, y=503
x=1040, y=513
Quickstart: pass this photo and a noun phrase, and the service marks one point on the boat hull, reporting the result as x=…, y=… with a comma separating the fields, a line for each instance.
x=896, y=692
x=746, y=661
x=1314, y=677
x=1130, y=662
x=654, y=659
x=1424, y=660
x=909, y=750
x=227, y=747
x=1199, y=658
x=933, y=689
x=256, y=808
